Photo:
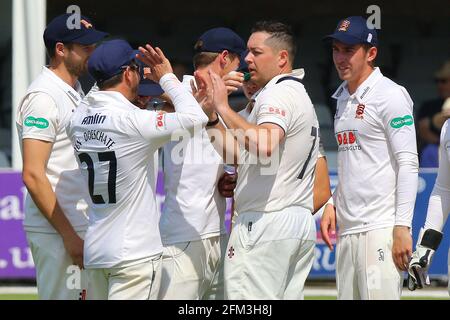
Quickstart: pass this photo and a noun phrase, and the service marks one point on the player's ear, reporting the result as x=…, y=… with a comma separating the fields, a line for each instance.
x=59, y=49
x=224, y=56
x=283, y=58
x=372, y=54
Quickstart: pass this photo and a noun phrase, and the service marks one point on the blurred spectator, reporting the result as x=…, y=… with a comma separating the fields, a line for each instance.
x=431, y=117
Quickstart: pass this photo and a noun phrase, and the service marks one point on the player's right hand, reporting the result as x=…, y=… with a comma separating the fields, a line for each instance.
x=428, y=242
x=74, y=246
x=155, y=59
x=220, y=94
x=328, y=224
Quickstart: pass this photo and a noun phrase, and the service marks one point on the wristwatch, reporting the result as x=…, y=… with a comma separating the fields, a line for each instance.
x=213, y=123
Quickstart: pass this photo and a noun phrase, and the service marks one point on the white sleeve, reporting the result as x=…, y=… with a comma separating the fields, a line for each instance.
x=39, y=117
x=158, y=127
x=439, y=203
x=398, y=121
x=274, y=108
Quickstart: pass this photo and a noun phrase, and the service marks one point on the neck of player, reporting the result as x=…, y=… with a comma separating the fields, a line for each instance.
x=353, y=84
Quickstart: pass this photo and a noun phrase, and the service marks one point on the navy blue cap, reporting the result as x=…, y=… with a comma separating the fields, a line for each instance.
x=219, y=39
x=58, y=31
x=354, y=30
x=109, y=58
x=148, y=88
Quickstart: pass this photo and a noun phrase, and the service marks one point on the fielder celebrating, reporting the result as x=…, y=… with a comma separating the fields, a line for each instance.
x=271, y=246
x=430, y=235
x=56, y=203
x=192, y=223
x=115, y=142
x=377, y=170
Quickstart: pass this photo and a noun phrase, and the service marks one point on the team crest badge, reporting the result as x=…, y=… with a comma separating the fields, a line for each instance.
x=86, y=24
x=344, y=25
x=360, y=111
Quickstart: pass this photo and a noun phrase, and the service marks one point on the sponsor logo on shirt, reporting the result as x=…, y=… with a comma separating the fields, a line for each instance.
x=40, y=123
x=95, y=119
x=366, y=89
x=347, y=140
x=360, y=111
x=160, y=121
x=399, y=122
x=74, y=97
x=277, y=111
x=338, y=94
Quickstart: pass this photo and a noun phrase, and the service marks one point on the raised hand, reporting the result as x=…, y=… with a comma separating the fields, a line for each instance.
x=155, y=59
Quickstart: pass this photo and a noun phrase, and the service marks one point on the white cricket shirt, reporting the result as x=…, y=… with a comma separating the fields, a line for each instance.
x=115, y=142
x=288, y=179
x=43, y=114
x=193, y=208
x=377, y=156
x=439, y=203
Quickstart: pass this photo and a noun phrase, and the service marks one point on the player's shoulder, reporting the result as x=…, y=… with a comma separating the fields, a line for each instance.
x=386, y=86
x=39, y=99
x=388, y=92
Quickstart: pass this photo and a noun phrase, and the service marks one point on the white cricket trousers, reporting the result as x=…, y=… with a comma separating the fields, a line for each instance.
x=193, y=270
x=137, y=281
x=269, y=255
x=56, y=277
x=365, y=269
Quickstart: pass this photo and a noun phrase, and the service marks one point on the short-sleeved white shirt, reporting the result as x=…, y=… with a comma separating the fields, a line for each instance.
x=43, y=114
x=371, y=126
x=288, y=180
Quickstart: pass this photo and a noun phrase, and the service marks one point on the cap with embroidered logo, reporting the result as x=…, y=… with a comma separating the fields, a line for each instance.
x=354, y=30
x=60, y=30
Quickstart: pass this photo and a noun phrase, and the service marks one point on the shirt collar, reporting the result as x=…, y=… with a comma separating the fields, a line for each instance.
x=114, y=99
x=75, y=94
x=298, y=73
x=363, y=89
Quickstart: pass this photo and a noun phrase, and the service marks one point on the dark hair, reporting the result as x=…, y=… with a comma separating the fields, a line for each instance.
x=281, y=36
x=116, y=79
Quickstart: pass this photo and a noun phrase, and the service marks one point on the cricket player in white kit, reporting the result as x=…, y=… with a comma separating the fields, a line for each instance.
x=271, y=246
x=56, y=203
x=115, y=142
x=377, y=170
x=431, y=235
x=193, y=219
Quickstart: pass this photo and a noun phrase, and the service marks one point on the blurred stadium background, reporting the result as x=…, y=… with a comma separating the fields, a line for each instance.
x=414, y=42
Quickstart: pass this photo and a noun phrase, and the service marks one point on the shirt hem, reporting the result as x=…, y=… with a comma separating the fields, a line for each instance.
x=366, y=228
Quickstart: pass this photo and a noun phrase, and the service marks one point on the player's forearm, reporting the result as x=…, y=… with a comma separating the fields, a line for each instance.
x=407, y=183
x=182, y=100
x=224, y=143
x=438, y=208
x=256, y=139
x=45, y=199
x=322, y=190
